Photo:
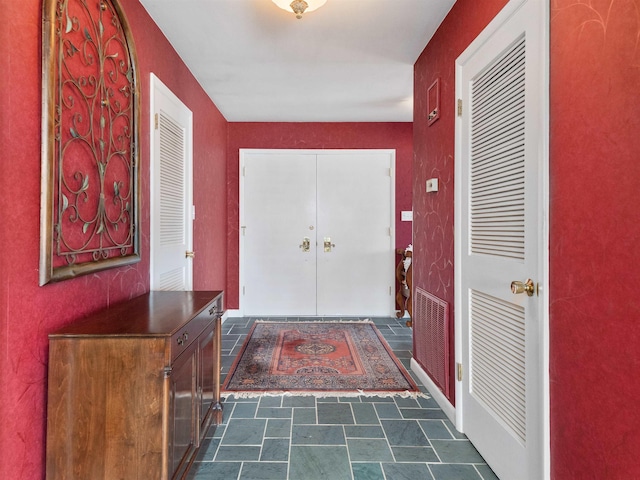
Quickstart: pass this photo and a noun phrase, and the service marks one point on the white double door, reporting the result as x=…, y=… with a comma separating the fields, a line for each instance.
x=317, y=232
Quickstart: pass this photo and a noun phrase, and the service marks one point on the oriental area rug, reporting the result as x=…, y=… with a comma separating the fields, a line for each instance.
x=317, y=358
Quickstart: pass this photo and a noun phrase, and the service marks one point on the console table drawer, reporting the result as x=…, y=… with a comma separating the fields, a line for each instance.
x=184, y=337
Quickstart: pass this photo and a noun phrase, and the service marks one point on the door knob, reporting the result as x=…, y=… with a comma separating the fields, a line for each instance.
x=328, y=245
x=527, y=287
x=306, y=244
x=188, y=254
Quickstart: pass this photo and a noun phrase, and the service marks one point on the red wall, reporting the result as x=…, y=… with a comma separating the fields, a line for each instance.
x=594, y=178
x=595, y=227
x=28, y=312
x=396, y=136
x=433, y=225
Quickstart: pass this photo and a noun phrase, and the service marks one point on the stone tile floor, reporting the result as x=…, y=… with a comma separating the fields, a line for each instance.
x=336, y=438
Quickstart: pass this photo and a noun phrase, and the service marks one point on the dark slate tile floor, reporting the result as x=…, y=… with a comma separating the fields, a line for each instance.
x=337, y=438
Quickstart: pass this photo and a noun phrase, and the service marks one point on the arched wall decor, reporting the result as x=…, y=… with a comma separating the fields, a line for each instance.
x=89, y=218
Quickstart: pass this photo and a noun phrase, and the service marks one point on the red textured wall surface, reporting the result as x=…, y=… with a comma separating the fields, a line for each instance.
x=396, y=136
x=595, y=227
x=29, y=312
x=433, y=223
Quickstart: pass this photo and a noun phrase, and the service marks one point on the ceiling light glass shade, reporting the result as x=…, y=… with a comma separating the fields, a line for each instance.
x=299, y=6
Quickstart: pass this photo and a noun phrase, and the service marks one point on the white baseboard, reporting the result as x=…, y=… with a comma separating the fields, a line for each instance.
x=231, y=313
x=436, y=393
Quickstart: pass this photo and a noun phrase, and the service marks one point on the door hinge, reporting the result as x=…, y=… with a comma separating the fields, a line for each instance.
x=390, y=172
x=459, y=107
x=244, y=230
x=244, y=171
x=155, y=121
x=243, y=290
x=459, y=371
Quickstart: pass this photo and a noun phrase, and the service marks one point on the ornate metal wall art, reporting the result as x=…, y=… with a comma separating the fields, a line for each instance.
x=90, y=128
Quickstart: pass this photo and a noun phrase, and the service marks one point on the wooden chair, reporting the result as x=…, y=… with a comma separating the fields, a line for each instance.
x=403, y=275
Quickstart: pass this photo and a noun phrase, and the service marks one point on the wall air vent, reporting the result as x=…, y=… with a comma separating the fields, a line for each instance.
x=431, y=337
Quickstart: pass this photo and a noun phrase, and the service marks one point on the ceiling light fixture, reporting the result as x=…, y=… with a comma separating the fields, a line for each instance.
x=299, y=6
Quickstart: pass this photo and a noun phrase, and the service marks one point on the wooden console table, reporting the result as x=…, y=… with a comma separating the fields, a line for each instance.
x=134, y=388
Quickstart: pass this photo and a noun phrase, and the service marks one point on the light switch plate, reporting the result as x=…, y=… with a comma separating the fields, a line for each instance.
x=432, y=185
x=406, y=216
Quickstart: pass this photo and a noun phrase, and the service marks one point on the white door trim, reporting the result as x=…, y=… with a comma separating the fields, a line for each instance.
x=507, y=12
x=155, y=86
x=241, y=218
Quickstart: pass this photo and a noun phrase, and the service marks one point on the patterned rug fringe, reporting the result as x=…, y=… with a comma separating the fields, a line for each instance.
x=246, y=394
x=320, y=320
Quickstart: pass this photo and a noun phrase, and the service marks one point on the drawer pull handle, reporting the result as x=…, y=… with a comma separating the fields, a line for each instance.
x=213, y=310
x=180, y=341
x=186, y=336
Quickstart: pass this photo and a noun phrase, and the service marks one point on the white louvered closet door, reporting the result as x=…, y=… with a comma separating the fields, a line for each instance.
x=171, y=180
x=501, y=139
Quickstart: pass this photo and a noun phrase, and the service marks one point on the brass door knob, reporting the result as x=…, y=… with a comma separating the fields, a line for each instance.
x=306, y=244
x=328, y=245
x=189, y=254
x=527, y=287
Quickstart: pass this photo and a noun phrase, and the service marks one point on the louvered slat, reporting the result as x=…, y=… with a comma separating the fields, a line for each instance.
x=172, y=280
x=497, y=157
x=498, y=359
x=172, y=208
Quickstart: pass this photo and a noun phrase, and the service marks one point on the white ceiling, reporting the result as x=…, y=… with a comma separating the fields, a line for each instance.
x=349, y=61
